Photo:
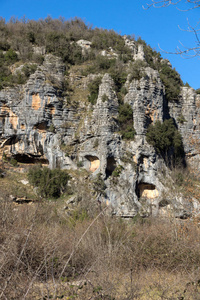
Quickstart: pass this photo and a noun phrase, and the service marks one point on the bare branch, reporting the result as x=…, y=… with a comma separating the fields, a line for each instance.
x=19, y=258
x=161, y=3
x=79, y=241
x=165, y=3
x=186, y=52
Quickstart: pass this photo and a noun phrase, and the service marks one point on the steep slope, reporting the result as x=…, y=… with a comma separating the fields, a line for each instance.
x=50, y=120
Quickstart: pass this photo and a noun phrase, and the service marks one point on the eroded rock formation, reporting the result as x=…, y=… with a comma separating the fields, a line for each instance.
x=38, y=123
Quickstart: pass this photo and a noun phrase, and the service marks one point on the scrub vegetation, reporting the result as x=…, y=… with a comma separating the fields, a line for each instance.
x=125, y=120
x=85, y=256
x=65, y=243
x=19, y=38
x=50, y=183
x=167, y=141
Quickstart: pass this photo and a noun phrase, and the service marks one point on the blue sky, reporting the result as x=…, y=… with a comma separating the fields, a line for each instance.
x=155, y=26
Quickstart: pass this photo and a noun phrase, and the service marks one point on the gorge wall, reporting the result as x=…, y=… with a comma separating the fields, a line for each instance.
x=40, y=124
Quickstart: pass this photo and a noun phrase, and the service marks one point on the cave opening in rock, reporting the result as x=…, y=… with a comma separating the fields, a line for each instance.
x=30, y=159
x=146, y=190
x=110, y=166
x=94, y=163
x=41, y=125
x=11, y=141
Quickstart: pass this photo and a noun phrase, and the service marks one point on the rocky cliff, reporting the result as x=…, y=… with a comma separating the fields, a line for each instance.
x=39, y=123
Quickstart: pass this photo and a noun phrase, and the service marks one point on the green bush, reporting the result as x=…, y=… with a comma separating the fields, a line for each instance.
x=118, y=74
x=104, y=98
x=38, y=58
x=125, y=113
x=29, y=69
x=117, y=171
x=94, y=90
x=96, y=143
x=22, y=76
x=123, y=90
x=51, y=128
x=80, y=164
x=11, y=56
x=50, y=183
x=59, y=45
x=6, y=78
x=103, y=39
x=187, y=85
x=99, y=185
x=13, y=162
x=181, y=119
x=198, y=91
x=104, y=63
x=101, y=64
x=125, y=120
x=128, y=133
x=172, y=82
x=136, y=70
x=166, y=139
x=152, y=57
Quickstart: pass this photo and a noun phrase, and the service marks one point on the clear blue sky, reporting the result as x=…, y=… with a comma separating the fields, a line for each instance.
x=155, y=26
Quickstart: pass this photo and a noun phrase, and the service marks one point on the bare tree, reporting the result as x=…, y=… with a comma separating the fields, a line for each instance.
x=190, y=5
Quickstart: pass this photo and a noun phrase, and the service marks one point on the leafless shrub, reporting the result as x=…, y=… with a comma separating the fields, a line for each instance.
x=44, y=254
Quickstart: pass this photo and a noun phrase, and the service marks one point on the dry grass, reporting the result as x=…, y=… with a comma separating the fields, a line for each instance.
x=47, y=255
x=11, y=184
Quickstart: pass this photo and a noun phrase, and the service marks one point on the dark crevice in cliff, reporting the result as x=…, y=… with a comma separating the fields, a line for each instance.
x=11, y=140
x=30, y=159
x=41, y=125
x=111, y=165
x=166, y=114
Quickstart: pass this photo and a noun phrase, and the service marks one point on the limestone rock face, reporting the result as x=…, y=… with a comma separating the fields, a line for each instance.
x=84, y=44
x=32, y=115
x=138, y=51
x=187, y=115
x=146, y=96
x=38, y=123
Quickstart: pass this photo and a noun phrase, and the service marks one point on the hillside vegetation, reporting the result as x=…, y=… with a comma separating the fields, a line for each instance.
x=19, y=40
x=85, y=227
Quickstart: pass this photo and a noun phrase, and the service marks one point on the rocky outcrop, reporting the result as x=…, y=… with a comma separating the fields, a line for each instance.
x=138, y=50
x=186, y=113
x=85, y=45
x=146, y=96
x=38, y=123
